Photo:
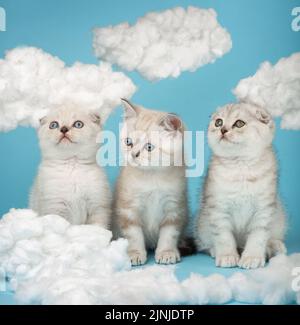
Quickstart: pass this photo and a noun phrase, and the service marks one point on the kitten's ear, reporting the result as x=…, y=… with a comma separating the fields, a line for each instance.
x=43, y=120
x=95, y=118
x=263, y=116
x=130, y=109
x=172, y=123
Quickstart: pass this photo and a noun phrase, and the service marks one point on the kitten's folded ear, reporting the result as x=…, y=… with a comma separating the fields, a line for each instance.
x=130, y=109
x=95, y=118
x=263, y=116
x=43, y=120
x=172, y=123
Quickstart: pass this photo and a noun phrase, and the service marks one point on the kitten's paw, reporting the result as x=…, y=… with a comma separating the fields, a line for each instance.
x=227, y=260
x=252, y=262
x=170, y=256
x=137, y=257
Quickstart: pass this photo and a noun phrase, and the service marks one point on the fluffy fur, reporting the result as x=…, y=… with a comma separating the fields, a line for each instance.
x=69, y=181
x=150, y=198
x=241, y=212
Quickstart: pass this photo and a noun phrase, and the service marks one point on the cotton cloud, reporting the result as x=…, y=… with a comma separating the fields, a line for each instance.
x=33, y=81
x=49, y=261
x=271, y=285
x=277, y=88
x=164, y=44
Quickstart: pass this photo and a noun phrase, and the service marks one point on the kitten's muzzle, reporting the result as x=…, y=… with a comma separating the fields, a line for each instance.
x=64, y=130
x=224, y=130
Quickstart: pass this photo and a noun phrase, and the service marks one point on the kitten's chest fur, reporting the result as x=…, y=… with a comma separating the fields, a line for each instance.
x=62, y=188
x=152, y=197
x=242, y=189
x=155, y=196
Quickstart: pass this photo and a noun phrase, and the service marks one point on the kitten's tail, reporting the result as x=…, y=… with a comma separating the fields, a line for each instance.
x=187, y=246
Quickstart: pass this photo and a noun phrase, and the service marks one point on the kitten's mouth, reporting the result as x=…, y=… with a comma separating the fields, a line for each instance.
x=65, y=139
x=224, y=138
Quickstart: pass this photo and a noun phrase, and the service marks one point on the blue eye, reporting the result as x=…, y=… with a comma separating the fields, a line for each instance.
x=149, y=147
x=54, y=125
x=78, y=124
x=128, y=142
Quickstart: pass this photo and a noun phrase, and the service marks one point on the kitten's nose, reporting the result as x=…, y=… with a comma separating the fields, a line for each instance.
x=224, y=130
x=64, y=130
x=136, y=154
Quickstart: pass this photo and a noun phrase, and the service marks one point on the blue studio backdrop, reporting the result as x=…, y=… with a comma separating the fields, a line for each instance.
x=260, y=30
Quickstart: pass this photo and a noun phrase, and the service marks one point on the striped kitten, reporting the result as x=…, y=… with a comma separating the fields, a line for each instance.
x=150, y=198
x=241, y=211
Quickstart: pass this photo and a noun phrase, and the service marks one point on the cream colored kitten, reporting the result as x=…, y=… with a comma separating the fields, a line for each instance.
x=69, y=181
x=150, y=199
x=240, y=209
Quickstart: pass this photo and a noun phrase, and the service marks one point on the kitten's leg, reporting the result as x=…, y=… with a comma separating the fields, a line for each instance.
x=275, y=247
x=100, y=216
x=167, y=251
x=254, y=254
x=136, y=244
x=225, y=248
x=130, y=227
x=276, y=244
x=99, y=204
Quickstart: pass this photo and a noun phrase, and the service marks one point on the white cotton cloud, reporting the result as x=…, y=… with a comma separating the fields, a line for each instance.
x=33, y=81
x=164, y=44
x=277, y=88
x=49, y=261
x=272, y=285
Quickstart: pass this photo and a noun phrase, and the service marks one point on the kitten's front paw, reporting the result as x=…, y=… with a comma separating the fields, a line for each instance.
x=227, y=260
x=252, y=262
x=170, y=256
x=137, y=257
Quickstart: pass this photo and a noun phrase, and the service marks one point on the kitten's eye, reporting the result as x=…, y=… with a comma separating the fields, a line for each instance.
x=78, y=124
x=239, y=124
x=128, y=142
x=149, y=147
x=54, y=125
x=219, y=122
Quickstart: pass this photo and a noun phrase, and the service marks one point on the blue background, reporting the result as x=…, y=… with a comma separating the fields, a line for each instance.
x=260, y=30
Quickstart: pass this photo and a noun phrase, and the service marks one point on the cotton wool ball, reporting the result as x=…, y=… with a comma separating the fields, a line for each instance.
x=276, y=88
x=91, y=235
x=218, y=289
x=7, y=240
x=54, y=223
x=164, y=44
x=33, y=82
x=244, y=289
x=195, y=290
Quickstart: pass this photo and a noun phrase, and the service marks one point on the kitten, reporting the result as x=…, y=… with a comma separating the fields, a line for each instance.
x=240, y=209
x=150, y=198
x=69, y=181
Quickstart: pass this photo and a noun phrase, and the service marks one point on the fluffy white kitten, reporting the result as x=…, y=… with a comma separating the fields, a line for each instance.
x=150, y=198
x=69, y=181
x=241, y=211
